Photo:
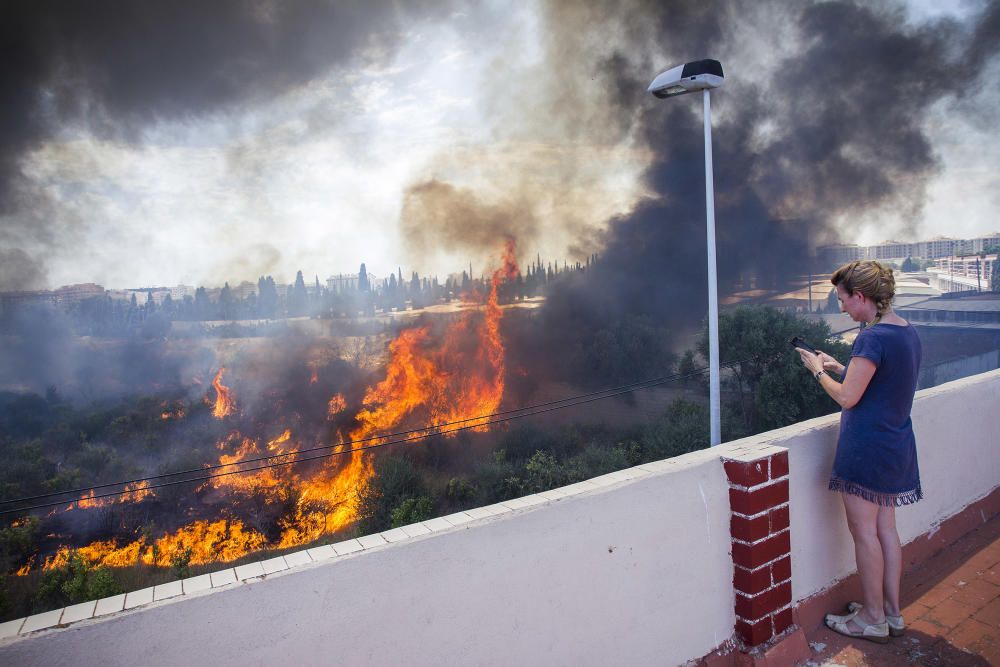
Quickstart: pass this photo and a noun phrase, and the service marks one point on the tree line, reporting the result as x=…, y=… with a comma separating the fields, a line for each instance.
x=349, y=298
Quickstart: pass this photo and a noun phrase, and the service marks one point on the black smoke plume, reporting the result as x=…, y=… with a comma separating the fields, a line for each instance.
x=805, y=141
x=117, y=68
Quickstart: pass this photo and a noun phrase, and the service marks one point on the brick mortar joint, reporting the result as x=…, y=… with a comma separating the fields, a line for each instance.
x=752, y=596
x=761, y=567
x=763, y=512
x=770, y=614
x=763, y=539
x=758, y=487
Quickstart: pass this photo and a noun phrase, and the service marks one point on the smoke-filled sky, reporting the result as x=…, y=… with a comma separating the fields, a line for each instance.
x=164, y=142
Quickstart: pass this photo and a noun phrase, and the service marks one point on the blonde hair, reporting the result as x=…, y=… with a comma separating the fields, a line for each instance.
x=870, y=278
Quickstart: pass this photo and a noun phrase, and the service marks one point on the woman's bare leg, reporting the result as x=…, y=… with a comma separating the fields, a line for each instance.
x=892, y=558
x=862, y=519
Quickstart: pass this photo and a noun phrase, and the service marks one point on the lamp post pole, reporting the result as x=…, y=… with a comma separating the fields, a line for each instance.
x=689, y=78
x=713, y=290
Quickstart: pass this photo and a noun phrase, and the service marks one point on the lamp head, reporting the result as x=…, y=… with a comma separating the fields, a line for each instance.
x=688, y=78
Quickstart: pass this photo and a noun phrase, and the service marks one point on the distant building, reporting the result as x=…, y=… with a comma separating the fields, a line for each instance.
x=342, y=282
x=983, y=242
x=837, y=254
x=939, y=246
x=896, y=251
x=68, y=294
x=63, y=296
x=962, y=274
x=972, y=311
x=244, y=289
x=12, y=300
x=348, y=282
x=890, y=250
x=180, y=291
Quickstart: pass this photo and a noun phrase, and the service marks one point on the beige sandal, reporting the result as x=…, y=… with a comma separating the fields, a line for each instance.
x=873, y=632
x=897, y=626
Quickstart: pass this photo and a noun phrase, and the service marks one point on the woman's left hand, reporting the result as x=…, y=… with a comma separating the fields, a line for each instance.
x=813, y=362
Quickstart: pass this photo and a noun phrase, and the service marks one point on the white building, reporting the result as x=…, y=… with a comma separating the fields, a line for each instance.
x=959, y=274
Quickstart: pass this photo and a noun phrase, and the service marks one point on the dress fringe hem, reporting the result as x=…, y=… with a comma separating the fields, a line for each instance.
x=877, y=497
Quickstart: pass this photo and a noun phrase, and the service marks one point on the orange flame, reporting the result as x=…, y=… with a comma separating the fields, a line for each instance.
x=458, y=378
x=133, y=493
x=26, y=568
x=223, y=400
x=264, y=481
x=336, y=405
x=224, y=540
x=424, y=384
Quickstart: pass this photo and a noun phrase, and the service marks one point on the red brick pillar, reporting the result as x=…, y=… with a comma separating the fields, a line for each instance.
x=759, y=526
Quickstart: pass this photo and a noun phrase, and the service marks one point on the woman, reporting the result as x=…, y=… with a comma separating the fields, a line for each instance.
x=875, y=468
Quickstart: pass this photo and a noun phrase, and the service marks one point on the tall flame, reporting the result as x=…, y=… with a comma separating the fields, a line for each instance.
x=223, y=400
x=425, y=385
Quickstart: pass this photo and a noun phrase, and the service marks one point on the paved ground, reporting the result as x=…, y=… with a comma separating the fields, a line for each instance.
x=951, y=607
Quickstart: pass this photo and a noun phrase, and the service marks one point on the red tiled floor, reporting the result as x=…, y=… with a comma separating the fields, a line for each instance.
x=989, y=614
x=949, y=613
x=951, y=603
x=977, y=593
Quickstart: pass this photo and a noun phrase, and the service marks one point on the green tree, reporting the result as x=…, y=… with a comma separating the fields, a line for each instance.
x=394, y=480
x=298, y=297
x=682, y=428
x=766, y=379
x=543, y=472
x=74, y=582
x=412, y=510
x=626, y=350
x=227, y=305
x=267, y=298
x=180, y=562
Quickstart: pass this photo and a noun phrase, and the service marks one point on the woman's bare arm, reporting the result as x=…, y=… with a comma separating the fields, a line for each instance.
x=846, y=393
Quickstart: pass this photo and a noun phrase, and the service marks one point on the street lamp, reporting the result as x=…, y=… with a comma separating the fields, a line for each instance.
x=689, y=78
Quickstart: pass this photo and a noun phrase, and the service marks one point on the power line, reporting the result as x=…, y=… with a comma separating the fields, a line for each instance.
x=412, y=435
x=424, y=429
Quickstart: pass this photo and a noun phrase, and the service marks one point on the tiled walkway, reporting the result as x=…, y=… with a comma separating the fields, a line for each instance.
x=952, y=610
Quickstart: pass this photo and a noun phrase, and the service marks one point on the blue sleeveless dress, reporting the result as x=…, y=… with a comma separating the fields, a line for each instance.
x=877, y=452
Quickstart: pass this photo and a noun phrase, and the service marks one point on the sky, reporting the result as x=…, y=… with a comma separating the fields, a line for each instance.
x=178, y=143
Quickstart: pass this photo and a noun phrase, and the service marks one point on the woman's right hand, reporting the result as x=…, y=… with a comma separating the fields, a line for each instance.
x=830, y=364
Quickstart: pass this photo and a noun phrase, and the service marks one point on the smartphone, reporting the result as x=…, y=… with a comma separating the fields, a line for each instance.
x=798, y=342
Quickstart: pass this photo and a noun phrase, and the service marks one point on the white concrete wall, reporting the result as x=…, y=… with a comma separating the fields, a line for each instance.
x=634, y=568
x=958, y=447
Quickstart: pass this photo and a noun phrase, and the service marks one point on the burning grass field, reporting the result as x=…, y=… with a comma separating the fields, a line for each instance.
x=242, y=424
